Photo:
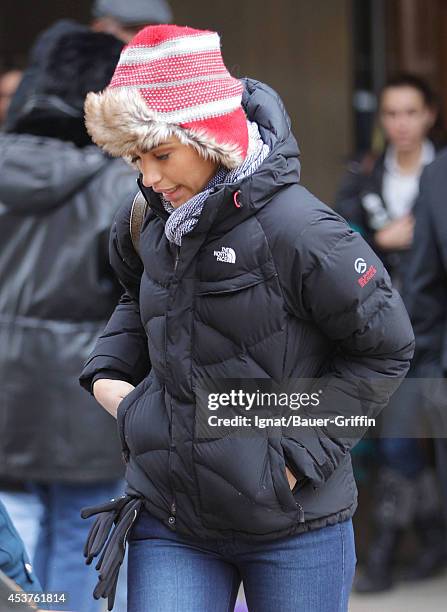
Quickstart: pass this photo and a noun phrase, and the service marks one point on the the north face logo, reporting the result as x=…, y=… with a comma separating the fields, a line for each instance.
x=226, y=254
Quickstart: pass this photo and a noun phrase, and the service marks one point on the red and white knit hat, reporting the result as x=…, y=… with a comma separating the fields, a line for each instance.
x=171, y=81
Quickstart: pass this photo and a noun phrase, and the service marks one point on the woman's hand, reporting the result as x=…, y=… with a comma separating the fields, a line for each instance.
x=290, y=478
x=397, y=235
x=110, y=393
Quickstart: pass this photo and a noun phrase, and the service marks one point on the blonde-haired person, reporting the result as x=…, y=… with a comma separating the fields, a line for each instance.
x=241, y=274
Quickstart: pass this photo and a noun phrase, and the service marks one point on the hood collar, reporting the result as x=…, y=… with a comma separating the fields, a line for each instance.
x=280, y=168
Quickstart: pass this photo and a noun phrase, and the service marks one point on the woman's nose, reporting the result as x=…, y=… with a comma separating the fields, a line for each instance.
x=151, y=175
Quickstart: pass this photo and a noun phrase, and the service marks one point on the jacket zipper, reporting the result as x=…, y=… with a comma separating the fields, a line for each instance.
x=295, y=489
x=301, y=512
x=173, y=508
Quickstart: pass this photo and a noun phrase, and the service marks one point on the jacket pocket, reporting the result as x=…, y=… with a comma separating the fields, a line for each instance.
x=237, y=283
x=123, y=408
x=307, y=460
x=242, y=485
x=235, y=316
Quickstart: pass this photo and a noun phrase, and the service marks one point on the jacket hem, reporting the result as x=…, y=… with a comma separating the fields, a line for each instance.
x=298, y=528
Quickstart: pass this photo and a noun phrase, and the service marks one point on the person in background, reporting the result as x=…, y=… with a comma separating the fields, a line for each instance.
x=36, y=59
x=125, y=19
x=23, y=505
x=120, y=18
x=9, y=81
x=58, y=197
x=377, y=200
x=427, y=304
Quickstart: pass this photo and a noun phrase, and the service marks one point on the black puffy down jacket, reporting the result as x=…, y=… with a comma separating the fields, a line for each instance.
x=286, y=304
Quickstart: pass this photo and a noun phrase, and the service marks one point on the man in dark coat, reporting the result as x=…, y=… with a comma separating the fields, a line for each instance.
x=58, y=196
x=427, y=303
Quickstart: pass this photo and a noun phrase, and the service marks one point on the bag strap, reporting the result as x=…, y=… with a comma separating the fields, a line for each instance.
x=137, y=214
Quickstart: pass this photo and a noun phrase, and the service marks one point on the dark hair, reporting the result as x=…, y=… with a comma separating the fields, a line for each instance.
x=437, y=132
x=411, y=80
x=78, y=62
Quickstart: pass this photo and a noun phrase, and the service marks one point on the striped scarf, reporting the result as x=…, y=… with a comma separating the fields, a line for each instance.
x=184, y=218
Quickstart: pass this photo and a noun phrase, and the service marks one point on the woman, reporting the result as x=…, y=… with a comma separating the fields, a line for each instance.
x=243, y=275
x=379, y=204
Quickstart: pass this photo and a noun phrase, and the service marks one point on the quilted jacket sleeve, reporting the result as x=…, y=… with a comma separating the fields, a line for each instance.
x=121, y=350
x=343, y=287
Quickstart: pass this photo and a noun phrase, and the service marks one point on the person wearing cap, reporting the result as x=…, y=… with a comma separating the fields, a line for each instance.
x=240, y=274
x=125, y=19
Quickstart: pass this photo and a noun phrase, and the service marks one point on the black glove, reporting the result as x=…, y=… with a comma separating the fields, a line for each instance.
x=122, y=512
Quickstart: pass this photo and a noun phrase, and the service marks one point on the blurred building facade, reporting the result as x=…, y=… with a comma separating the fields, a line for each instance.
x=327, y=58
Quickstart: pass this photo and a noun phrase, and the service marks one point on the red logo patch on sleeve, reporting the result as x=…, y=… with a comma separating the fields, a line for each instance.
x=369, y=274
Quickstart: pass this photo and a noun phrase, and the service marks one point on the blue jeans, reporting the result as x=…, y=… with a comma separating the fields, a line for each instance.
x=310, y=572
x=59, y=561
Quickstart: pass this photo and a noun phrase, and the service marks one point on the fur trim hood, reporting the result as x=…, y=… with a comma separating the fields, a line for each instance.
x=120, y=121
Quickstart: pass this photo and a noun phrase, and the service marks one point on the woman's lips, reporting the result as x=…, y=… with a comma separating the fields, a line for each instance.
x=172, y=194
